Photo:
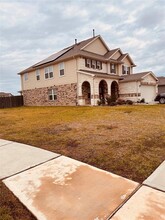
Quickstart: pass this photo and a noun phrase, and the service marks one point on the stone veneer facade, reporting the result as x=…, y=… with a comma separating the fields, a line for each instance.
x=66, y=95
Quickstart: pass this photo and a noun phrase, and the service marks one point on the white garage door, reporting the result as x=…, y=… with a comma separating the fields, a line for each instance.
x=148, y=93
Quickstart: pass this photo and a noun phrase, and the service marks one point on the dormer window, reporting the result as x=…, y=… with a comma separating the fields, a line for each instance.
x=94, y=64
x=125, y=70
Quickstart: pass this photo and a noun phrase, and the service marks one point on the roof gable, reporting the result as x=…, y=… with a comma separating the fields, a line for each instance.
x=126, y=56
x=137, y=76
x=97, y=46
x=116, y=54
x=150, y=75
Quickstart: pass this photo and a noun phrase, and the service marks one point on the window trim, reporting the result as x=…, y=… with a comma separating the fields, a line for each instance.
x=48, y=71
x=37, y=74
x=60, y=69
x=52, y=93
x=98, y=65
x=88, y=63
x=113, y=68
x=25, y=76
x=93, y=64
x=125, y=70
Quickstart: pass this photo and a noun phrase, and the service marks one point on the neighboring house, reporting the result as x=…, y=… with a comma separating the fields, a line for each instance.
x=85, y=73
x=161, y=84
x=4, y=94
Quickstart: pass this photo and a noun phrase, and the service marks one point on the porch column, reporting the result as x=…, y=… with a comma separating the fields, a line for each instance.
x=94, y=91
x=109, y=88
x=80, y=98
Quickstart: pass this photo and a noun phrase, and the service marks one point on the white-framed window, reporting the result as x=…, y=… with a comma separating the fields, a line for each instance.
x=98, y=65
x=113, y=68
x=26, y=76
x=61, y=69
x=125, y=70
x=88, y=63
x=38, y=74
x=52, y=95
x=94, y=64
x=49, y=72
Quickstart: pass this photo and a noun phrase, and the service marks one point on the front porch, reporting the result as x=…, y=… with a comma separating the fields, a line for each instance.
x=92, y=88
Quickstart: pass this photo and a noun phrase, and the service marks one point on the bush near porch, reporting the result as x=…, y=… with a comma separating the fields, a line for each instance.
x=126, y=140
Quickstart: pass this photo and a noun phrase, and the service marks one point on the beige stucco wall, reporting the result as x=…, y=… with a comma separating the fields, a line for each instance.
x=96, y=47
x=69, y=77
x=129, y=87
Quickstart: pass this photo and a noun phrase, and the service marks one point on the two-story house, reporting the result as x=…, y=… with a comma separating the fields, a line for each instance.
x=84, y=73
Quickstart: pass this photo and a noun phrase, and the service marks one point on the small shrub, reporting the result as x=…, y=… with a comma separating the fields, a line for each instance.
x=142, y=100
x=99, y=102
x=121, y=102
x=109, y=100
x=129, y=102
x=113, y=104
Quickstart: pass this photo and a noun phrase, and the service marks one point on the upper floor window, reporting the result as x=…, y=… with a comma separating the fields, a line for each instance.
x=61, y=68
x=113, y=68
x=95, y=64
x=49, y=72
x=52, y=95
x=98, y=65
x=38, y=74
x=125, y=70
x=88, y=63
x=26, y=76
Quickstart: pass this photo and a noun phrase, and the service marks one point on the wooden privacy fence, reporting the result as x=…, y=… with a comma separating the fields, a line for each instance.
x=12, y=101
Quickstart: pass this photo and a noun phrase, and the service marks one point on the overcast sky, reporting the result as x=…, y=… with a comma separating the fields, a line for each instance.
x=32, y=30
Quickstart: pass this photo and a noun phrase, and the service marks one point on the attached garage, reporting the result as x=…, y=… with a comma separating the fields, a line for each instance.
x=138, y=86
x=148, y=92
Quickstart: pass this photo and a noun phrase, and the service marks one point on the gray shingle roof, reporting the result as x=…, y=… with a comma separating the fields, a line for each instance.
x=133, y=77
x=73, y=51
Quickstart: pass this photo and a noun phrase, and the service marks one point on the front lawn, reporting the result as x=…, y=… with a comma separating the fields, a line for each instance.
x=126, y=140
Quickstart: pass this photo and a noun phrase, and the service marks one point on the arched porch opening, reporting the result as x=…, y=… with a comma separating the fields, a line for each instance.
x=114, y=91
x=103, y=89
x=86, y=92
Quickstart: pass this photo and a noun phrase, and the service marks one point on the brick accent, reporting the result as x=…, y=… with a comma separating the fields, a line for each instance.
x=66, y=95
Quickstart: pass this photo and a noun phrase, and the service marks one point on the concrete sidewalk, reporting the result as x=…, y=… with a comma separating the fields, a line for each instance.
x=55, y=187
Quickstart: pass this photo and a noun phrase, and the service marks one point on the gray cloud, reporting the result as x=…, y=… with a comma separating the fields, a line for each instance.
x=31, y=31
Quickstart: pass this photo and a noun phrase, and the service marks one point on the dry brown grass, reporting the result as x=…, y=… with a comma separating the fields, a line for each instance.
x=126, y=140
